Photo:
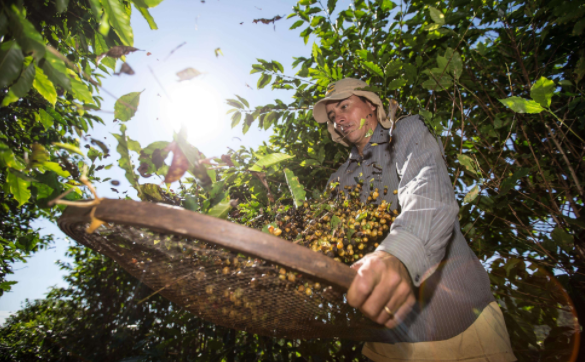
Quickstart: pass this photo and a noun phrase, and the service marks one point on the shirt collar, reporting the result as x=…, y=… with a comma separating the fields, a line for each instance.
x=381, y=135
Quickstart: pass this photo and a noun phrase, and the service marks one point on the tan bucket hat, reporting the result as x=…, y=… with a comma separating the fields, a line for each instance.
x=342, y=89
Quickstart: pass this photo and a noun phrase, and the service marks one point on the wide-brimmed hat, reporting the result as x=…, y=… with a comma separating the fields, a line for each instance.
x=342, y=89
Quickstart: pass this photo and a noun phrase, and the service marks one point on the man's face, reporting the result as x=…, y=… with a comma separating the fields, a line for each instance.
x=346, y=115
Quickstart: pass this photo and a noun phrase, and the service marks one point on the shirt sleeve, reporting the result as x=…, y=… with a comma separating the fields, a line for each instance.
x=420, y=234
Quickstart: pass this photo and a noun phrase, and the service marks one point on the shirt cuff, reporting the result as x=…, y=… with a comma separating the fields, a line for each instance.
x=410, y=251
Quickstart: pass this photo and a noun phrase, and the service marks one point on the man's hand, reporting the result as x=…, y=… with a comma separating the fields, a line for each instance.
x=382, y=281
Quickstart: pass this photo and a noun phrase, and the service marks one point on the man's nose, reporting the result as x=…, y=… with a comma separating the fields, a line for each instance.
x=339, y=121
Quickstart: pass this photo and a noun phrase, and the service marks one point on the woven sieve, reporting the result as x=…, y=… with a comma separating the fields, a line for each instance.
x=226, y=273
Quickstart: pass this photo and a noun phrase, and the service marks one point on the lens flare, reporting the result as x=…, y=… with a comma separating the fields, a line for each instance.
x=196, y=106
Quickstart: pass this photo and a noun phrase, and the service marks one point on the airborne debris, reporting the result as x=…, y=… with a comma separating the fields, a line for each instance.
x=268, y=21
x=115, y=182
x=218, y=52
x=187, y=74
x=247, y=85
x=148, y=54
x=175, y=49
x=125, y=69
x=241, y=23
x=116, y=52
x=101, y=145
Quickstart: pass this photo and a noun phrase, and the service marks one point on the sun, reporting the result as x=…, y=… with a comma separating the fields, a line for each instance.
x=196, y=106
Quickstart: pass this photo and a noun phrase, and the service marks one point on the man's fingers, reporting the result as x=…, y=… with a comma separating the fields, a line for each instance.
x=402, y=312
x=363, y=285
x=376, y=301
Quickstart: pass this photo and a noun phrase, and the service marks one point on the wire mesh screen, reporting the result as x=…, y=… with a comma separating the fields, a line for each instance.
x=226, y=287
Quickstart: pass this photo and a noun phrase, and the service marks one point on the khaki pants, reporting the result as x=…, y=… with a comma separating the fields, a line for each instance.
x=486, y=340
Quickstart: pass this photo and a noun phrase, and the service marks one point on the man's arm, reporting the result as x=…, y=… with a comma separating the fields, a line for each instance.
x=418, y=237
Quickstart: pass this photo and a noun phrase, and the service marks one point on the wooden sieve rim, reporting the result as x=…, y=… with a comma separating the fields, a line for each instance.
x=239, y=238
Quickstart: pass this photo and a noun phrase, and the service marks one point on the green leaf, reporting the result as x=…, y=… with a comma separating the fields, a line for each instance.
x=222, y=209
x=146, y=15
x=25, y=34
x=125, y=161
x=362, y=123
x=374, y=68
x=296, y=189
x=25, y=82
x=46, y=119
x=264, y=80
x=542, y=91
x=245, y=102
x=61, y=5
x=18, y=188
x=126, y=106
x=437, y=16
x=393, y=67
x=236, y=117
x=55, y=167
x=427, y=115
x=69, y=147
x=471, y=195
x=44, y=86
x=80, y=90
x=563, y=238
x=467, y=162
x=152, y=190
x=334, y=222
x=119, y=20
x=10, y=63
x=9, y=98
x=521, y=105
x=396, y=83
x=57, y=72
x=297, y=24
x=361, y=216
x=438, y=83
x=269, y=160
x=331, y=5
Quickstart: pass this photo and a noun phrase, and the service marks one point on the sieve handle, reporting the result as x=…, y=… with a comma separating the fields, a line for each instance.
x=245, y=240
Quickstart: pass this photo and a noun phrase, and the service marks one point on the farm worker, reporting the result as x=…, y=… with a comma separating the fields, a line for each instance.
x=423, y=281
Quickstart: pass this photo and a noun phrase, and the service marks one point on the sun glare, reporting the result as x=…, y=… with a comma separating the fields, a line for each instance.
x=196, y=105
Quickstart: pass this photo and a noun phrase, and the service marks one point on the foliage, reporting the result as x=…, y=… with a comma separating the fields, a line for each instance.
x=49, y=80
x=500, y=83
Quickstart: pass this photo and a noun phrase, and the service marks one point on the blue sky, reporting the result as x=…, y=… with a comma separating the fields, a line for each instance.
x=200, y=103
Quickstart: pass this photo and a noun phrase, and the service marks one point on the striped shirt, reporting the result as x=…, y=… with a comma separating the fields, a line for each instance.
x=451, y=284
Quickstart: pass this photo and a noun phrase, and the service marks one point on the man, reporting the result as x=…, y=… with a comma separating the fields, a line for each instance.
x=423, y=282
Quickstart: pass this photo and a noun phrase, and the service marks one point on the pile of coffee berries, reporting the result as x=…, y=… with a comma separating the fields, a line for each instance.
x=340, y=226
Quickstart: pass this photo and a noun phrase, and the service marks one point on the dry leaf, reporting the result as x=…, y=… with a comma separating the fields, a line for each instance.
x=148, y=54
x=125, y=69
x=392, y=109
x=227, y=160
x=101, y=145
x=142, y=170
x=115, y=182
x=116, y=52
x=262, y=177
x=113, y=189
x=179, y=165
x=188, y=74
x=267, y=21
